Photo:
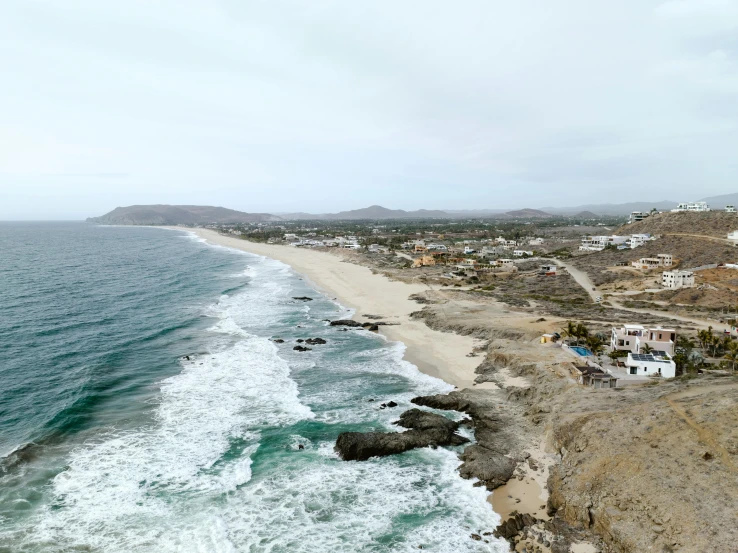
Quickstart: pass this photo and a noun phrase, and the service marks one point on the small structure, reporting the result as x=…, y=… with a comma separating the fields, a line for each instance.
x=733, y=236
x=522, y=253
x=550, y=338
x=594, y=377
x=506, y=265
x=729, y=209
x=656, y=363
x=424, y=261
x=677, y=279
x=548, y=270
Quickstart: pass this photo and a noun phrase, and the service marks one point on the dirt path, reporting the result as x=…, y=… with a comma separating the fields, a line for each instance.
x=713, y=238
x=585, y=282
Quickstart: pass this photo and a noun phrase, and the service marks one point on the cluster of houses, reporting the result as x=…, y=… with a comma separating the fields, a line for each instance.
x=599, y=243
x=312, y=241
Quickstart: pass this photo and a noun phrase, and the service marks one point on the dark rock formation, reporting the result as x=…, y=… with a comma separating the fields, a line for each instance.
x=300, y=340
x=391, y=404
x=491, y=459
x=425, y=429
x=315, y=341
x=278, y=341
x=346, y=322
x=514, y=525
x=302, y=298
x=301, y=348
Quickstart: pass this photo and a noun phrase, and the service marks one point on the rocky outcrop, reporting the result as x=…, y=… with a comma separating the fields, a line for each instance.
x=425, y=429
x=302, y=298
x=301, y=348
x=346, y=322
x=315, y=341
x=494, y=457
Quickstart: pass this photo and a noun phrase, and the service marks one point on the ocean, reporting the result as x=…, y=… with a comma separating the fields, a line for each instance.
x=144, y=406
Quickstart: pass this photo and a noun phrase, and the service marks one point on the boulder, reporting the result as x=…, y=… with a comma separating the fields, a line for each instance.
x=278, y=341
x=301, y=348
x=425, y=429
x=346, y=322
x=315, y=341
x=302, y=298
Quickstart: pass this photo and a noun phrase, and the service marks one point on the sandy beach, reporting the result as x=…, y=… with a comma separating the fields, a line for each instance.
x=440, y=354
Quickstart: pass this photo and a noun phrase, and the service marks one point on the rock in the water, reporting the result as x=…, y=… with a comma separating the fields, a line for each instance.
x=391, y=404
x=315, y=341
x=425, y=429
x=346, y=322
x=300, y=340
x=278, y=341
x=301, y=348
x=373, y=328
x=302, y=298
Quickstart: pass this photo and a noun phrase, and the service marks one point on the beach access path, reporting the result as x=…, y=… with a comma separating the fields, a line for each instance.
x=439, y=354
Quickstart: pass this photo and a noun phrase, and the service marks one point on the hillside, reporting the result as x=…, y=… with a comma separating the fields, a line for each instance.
x=528, y=213
x=177, y=215
x=712, y=223
x=371, y=212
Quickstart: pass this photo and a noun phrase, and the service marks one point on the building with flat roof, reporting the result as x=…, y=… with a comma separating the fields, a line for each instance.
x=692, y=206
x=657, y=363
x=677, y=279
x=633, y=338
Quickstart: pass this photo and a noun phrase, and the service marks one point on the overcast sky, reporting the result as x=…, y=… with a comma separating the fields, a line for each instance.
x=327, y=105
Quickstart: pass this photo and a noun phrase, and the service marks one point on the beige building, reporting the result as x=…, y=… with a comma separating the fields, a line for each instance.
x=633, y=338
x=661, y=260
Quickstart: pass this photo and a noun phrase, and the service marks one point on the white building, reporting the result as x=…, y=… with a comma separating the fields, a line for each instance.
x=729, y=209
x=692, y=206
x=352, y=246
x=733, y=236
x=677, y=279
x=436, y=248
x=656, y=363
x=633, y=338
x=522, y=253
x=548, y=270
x=637, y=240
x=469, y=249
x=535, y=242
x=598, y=243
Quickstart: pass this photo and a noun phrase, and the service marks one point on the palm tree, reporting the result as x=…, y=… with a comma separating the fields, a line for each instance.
x=646, y=349
x=732, y=354
x=582, y=332
x=570, y=331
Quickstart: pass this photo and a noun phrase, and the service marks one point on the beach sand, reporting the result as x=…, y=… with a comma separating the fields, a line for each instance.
x=439, y=354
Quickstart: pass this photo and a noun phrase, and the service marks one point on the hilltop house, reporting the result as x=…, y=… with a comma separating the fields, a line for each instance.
x=656, y=363
x=729, y=209
x=522, y=253
x=677, y=279
x=599, y=243
x=633, y=337
x=637, y=216
x=637, y=240
x=692, y=206
x=661, y=260
x=548, y=270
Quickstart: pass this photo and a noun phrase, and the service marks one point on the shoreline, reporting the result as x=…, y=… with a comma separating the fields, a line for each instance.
x=435, y=353
x=439, y=354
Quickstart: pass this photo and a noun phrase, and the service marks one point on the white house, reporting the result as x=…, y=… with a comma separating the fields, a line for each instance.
x=437, y=248
x=692, y=206
x=633, y=338
x=548, y=270
x=535, y=242
x=729, y=209
x=637, y=240
x=637, y=216
x=598, y=243
x=352, y=246
x=469, y=249
x=656, y=363
x=677, y=279
x=522, y=253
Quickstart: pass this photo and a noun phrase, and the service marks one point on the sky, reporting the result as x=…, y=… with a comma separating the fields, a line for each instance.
x=321, y=106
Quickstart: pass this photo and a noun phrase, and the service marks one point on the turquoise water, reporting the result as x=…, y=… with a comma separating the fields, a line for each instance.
x=112, y=440
x=581, y=351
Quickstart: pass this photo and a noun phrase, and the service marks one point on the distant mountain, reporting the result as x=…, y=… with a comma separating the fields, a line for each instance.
x=372, y=212
x=177, y=215
x=719, y=202
x=613, y=209
x=528, y=213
